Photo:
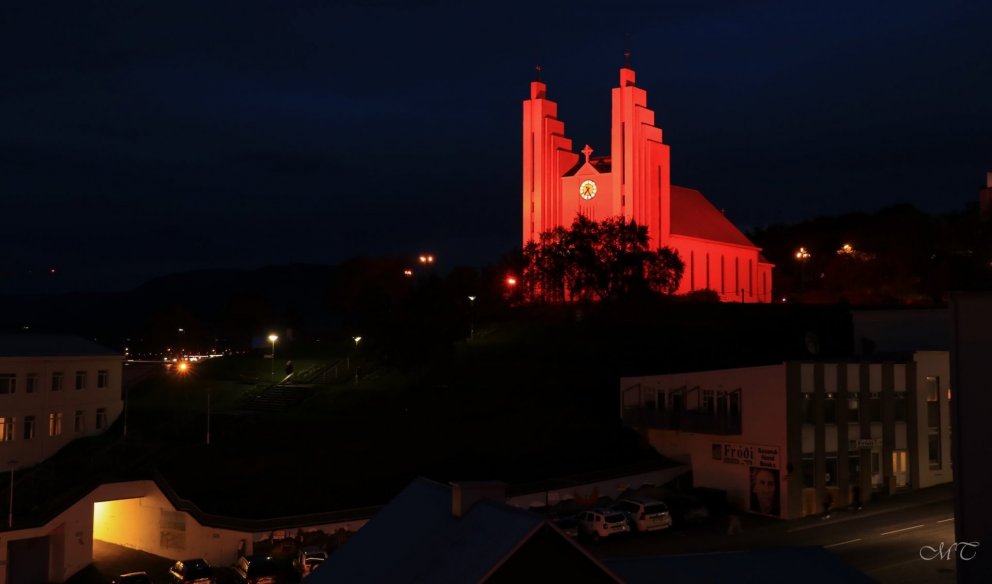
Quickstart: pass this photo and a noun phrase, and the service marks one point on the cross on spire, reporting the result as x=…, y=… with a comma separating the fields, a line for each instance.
x=537, y=71
x=588, y=152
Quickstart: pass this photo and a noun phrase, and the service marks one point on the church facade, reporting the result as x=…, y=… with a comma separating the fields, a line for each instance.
x=634, y=181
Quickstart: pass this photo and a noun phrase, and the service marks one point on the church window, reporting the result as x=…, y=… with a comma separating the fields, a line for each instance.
x=692, y=270
x=737, y=274
x=723, y=283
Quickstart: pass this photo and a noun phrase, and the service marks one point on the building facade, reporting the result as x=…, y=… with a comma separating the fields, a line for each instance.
x=634, y=182
x=782, y=439
x=54, y=389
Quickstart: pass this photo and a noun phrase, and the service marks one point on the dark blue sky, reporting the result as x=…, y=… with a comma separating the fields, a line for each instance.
x=143, y=138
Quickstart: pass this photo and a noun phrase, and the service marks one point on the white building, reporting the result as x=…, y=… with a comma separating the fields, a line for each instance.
x=54, y=389
x=780, y=438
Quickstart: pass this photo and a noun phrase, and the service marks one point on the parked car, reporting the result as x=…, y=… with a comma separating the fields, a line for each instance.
x=567, y=523
x=193, y=571
x=311, y=558
x=644, y=513
x=133, y=578
x=266, y=570
x=686, y=509
x=598, y=523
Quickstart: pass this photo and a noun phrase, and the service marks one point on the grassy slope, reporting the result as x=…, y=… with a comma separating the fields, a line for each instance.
x=529, y=399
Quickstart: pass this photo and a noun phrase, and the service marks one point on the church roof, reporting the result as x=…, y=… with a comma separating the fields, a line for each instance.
x=694, y=216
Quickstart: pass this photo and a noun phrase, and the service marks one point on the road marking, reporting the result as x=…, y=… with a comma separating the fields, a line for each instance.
x=903, y=529
x=842, y=543
x=946, y=520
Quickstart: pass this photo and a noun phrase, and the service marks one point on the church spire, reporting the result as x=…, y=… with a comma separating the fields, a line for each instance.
x=627, y=72
x=537, y=73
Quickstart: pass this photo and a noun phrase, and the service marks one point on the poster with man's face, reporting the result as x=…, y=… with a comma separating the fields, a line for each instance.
x=764, y=491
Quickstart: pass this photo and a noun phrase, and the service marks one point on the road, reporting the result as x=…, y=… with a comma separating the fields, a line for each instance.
x=882, y=541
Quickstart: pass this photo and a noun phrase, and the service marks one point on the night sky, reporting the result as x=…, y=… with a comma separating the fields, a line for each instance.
x=143, y=138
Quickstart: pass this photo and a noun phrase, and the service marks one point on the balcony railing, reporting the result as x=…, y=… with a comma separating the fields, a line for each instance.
x=684, y=421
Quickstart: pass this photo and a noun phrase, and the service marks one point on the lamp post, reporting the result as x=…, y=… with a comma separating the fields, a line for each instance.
x=471, y=316
x=10, y=516
x=802, y=256
x=356, y=339
x=273, y=338
x=208, y=416
x=127, y=389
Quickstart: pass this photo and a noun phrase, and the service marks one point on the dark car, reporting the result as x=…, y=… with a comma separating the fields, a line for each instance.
x=266, y=570
x=686, y=509
x=133, y=578
x=567, y=523
x=193, y=571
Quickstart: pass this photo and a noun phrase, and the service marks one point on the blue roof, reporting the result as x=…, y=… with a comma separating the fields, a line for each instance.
x=39, y=345
x=415, y=538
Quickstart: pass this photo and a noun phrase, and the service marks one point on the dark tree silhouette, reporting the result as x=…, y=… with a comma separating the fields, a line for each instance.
x=598, y=260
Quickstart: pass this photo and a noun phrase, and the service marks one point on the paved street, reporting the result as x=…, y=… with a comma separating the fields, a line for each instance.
x=884, y=540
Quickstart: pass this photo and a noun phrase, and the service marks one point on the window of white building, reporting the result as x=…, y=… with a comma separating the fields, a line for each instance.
x=8, y=382
x=28, y=427
x=55, y=424
x=80, y=424
x=102, y=379
x=6, y=429
x=57, y=381
x=32, y=383
x=80, y=380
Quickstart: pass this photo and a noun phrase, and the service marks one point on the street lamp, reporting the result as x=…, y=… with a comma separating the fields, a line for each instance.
x=802, y=256
x=471, y=315
x=10, y=516
x=357, y=368
x=272, y=339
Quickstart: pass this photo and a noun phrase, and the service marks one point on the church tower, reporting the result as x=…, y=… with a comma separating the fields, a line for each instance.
x=641, y=169
x=547, y=155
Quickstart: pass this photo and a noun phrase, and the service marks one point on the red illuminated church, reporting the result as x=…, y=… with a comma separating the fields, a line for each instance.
x=634, y=181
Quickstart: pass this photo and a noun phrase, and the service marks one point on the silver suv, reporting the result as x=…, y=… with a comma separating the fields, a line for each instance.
x=597, y=524
x=644, y=513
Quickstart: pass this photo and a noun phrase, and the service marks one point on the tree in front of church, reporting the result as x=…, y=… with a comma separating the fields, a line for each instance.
x=598, y=260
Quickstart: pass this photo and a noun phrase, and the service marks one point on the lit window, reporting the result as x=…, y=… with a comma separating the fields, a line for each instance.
x=57, y=381
x=8, y=382
x=80, y=424
x=101, y=418
x=32, y=383
x=55, y=424
x=102, y=379
x=28, y=427
x=80, y=380
x=6, y=429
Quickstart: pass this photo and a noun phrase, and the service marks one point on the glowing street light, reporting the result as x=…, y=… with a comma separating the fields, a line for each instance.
x=511, y=281
x=357, y=368
x=471, y=316
x=802, y=256
x=272, y=339
x=846, y=249
x=426, y=259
